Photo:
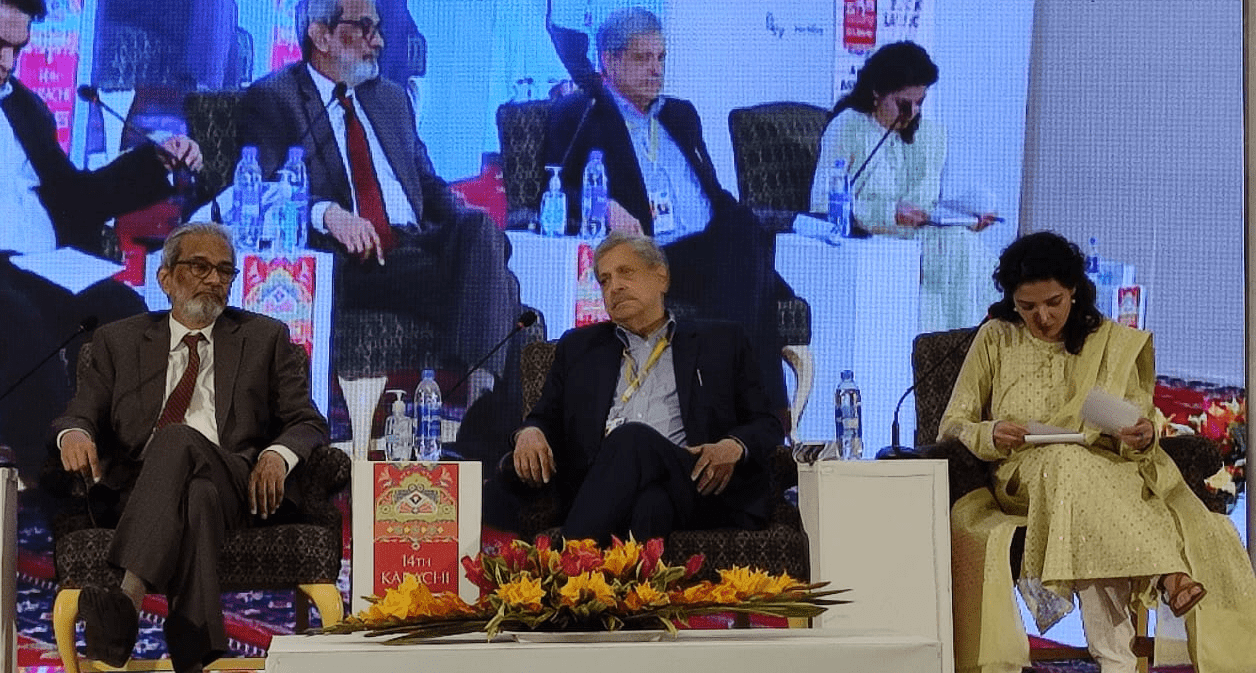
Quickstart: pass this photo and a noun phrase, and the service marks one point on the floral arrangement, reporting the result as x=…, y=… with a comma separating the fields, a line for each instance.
x=580, y=587
x=1224, y=422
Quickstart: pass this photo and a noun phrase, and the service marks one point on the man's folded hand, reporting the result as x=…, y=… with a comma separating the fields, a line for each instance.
x=266, y=484
x=715, y=465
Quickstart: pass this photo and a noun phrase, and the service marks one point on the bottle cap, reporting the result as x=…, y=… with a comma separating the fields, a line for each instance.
x=848, y=374
x=429, y=373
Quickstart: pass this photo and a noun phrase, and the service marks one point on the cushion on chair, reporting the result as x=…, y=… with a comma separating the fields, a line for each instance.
x=212, y=119
x=775, y=148
x=521, y=132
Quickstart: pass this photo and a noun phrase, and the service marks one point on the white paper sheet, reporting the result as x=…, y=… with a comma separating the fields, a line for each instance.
x=1041, y=433
x=1108, y=412
x=72, y=269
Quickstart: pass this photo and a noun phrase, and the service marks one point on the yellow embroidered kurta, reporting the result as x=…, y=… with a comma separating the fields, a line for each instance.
x=1094, y=511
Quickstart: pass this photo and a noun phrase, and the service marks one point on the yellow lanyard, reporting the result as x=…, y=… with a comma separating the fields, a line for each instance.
x=630, y=369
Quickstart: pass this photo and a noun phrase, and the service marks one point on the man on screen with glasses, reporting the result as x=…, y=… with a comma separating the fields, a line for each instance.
x=407, y=245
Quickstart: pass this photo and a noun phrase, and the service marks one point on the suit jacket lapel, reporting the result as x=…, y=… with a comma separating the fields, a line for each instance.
x=154, y=357
x=608, y=359
x=629, y=183
x=320, y=142
x=684, y=362
x=228, y=344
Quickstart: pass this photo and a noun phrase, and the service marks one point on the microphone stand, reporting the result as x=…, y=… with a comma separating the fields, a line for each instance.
x=895, y=450
x=526, y=320
x=88, y=324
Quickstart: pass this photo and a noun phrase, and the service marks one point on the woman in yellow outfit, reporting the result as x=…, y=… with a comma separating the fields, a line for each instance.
x=1109, y=519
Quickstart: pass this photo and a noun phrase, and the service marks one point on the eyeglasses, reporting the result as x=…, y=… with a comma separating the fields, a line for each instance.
x=200, y=268
x=366, y=24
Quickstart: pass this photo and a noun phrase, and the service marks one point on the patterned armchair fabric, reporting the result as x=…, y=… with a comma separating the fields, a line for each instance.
x=521, y=131
x=779, y=547
x=211, y=118
x=775, y=148
x=1197, y=457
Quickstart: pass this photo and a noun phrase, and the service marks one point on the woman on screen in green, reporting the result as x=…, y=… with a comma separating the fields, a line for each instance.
x=897, y=193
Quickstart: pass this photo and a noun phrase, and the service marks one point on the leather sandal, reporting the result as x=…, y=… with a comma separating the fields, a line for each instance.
x=1193, y=592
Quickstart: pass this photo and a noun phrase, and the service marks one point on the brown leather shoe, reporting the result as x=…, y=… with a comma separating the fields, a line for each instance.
x=111, y=624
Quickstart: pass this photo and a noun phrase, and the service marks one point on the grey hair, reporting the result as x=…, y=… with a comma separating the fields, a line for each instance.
x=624, y=24
x=309, y=12
x=172, y=250
x=644, y=246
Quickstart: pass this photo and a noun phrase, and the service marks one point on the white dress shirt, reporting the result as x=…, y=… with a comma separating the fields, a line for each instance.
x=396, y=204
x=27, y=227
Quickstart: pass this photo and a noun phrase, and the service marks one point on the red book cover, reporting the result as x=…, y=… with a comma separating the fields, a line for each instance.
x=414, y=518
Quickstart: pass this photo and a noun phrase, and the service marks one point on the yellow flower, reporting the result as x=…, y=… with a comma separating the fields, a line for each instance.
x=779, y=584
x=587, y=585
x=744, y=582
x=645, y=596
x=525, y=592
x=622, y=557
x=698, y=593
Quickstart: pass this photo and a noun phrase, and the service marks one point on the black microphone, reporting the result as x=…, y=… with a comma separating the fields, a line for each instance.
x=894, y=449
x=91, y=95
x=88, y=324
x=526, y=320
x=903, y=119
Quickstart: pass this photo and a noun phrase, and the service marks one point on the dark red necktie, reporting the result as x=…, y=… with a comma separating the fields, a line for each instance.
x=181, y=396
x=362, y=171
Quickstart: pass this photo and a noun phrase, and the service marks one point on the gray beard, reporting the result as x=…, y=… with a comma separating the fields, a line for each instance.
x=362, y=71
x=203, y=310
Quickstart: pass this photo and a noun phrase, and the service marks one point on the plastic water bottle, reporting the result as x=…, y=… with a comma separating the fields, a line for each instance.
x=246, y=205
x=297, y=224
x=593, y=198
x=840, y=199
x=554, y=206
x=848, y=414
x=1092, y=256
x=427, y=406
x=398, y=430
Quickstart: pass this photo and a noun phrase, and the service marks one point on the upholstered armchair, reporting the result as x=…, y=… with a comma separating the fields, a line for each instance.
x=780, y=547
x=301, y=551
x=521, y=131
x=775, y=149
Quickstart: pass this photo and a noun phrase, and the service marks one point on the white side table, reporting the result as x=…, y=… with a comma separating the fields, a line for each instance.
x=882, y=530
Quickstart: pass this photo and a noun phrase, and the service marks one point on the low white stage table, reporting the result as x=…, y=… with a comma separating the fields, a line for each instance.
x=739, y=651
x=882, y=529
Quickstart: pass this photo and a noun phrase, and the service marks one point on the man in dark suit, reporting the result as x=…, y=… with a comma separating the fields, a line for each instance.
x=408, y=245
x=48, y=204
x=662, y=182
x=191, y=420
x=649, y=424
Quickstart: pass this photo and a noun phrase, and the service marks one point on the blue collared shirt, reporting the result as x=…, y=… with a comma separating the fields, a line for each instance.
x=655, y=402
x=665, y=169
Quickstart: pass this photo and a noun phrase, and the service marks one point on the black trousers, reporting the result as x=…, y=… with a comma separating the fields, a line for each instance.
x=171, y=531
x=455, y=278
x=639, y=483
x=35, y=316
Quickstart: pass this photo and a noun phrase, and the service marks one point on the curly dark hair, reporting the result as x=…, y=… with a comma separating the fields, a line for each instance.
x=36, y=9
x=893, y=67
x=1044, y=256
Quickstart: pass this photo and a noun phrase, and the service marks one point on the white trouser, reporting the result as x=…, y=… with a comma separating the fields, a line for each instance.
x=1106, y=620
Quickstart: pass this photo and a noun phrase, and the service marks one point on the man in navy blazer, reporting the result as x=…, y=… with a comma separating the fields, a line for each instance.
x=648, y=424
x=661, y=180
